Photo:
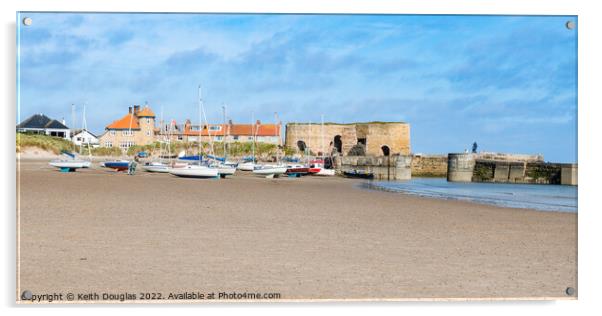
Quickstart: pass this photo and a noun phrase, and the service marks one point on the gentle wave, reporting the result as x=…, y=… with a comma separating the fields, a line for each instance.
x=559, y=198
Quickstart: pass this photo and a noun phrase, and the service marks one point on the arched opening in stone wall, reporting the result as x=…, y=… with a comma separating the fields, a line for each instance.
x=386, y=150
x=301, y=145
x=338, y=144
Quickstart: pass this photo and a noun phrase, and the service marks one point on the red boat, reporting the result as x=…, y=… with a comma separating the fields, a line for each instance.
x=316, y=166
x=297, y=169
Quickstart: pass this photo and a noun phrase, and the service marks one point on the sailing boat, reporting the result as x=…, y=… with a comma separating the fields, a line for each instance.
x=222, y=168
x=249, y=165
x=158, y=166
x=272, y=171
x=199, y=170
x=87, y=163
x=316, y=166
x=69, y=163
x=120, y=164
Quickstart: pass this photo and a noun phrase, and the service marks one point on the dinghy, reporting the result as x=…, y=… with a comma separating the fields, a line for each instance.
x=317, y=168
x=358, y=174
x=118, y=165
x=296, y=170
x=69, y=163
x=198, y=170
x=159, y=166
x=226, y=170
x=194, y=171
x=246, y=166
x=269, y=171
x=156, y=167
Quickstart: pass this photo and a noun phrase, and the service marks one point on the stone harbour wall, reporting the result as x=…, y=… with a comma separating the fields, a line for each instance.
x=467, y=167
x=398, y=167
x=429, y=166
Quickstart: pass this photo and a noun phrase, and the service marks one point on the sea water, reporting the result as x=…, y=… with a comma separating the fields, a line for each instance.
x=560, y=198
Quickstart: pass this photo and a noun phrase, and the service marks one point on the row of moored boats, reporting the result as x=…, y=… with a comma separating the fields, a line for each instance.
x=203, y=168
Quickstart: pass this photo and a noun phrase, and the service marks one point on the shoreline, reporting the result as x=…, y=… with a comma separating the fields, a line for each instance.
x=377, y=187
x=306, y=238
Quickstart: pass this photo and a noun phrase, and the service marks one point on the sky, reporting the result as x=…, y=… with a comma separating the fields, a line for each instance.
x=506, y=82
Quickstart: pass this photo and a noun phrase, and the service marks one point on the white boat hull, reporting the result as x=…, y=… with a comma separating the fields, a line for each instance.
x=270, y=171
x=156, y=168
x=325, y=172
x=246, y=166
x=70, y=164
x=194, y=171
x=226, y=170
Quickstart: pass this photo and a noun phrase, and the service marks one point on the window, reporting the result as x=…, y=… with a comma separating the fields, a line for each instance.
x=79, y=139
x=215, y=128
x=127, y=133
x=250, y=138
x=235, y=137
x=218, y=137
x=148, y=133
x=148, y=120
x=126, y=144
x=108, y=144
x=112, y=133
x=180, y=137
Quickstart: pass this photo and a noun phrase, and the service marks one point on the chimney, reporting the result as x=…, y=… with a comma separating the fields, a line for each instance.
x=136, y=109
x=230, y=122
x=130, y=109
x=258, y=122
x=63, y=121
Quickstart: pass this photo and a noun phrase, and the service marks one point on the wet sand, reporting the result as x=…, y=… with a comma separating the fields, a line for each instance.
x=311, y=238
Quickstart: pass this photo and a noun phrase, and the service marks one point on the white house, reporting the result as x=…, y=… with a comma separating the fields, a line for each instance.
x=85, y=137
x=42, y=124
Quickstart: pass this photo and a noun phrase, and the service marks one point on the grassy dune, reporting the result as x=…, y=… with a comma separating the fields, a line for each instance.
x=56, y=145
x=48, y=143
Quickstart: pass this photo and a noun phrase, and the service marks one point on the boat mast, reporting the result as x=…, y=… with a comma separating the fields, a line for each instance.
x=253, y=132
x=307, y=148
x=224, y=132
x=72, y=121
x=208, y=131
x=169, y=133
x=85, y=128
x=322, y=136
x=200, y=126
x=161, y=138
x=279, y=138
x=73, y=128
x=130, y=128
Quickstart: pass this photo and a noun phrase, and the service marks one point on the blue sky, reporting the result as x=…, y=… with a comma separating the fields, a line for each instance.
x=507, y=82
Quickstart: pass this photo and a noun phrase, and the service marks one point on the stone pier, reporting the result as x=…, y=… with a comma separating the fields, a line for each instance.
x=508, y=168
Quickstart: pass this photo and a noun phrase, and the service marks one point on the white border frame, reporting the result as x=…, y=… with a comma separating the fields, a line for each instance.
x=589, y=26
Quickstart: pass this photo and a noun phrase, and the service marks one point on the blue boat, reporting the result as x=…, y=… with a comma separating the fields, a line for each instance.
x=358, y=174
x=119, y=165
x=222, y=159
x=192, y=158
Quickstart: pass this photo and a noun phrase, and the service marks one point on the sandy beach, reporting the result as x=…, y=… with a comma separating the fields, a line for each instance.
x=311, y=238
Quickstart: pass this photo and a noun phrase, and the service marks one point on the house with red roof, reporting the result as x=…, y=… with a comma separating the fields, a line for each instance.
x=230, y=132
x=137, y=127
